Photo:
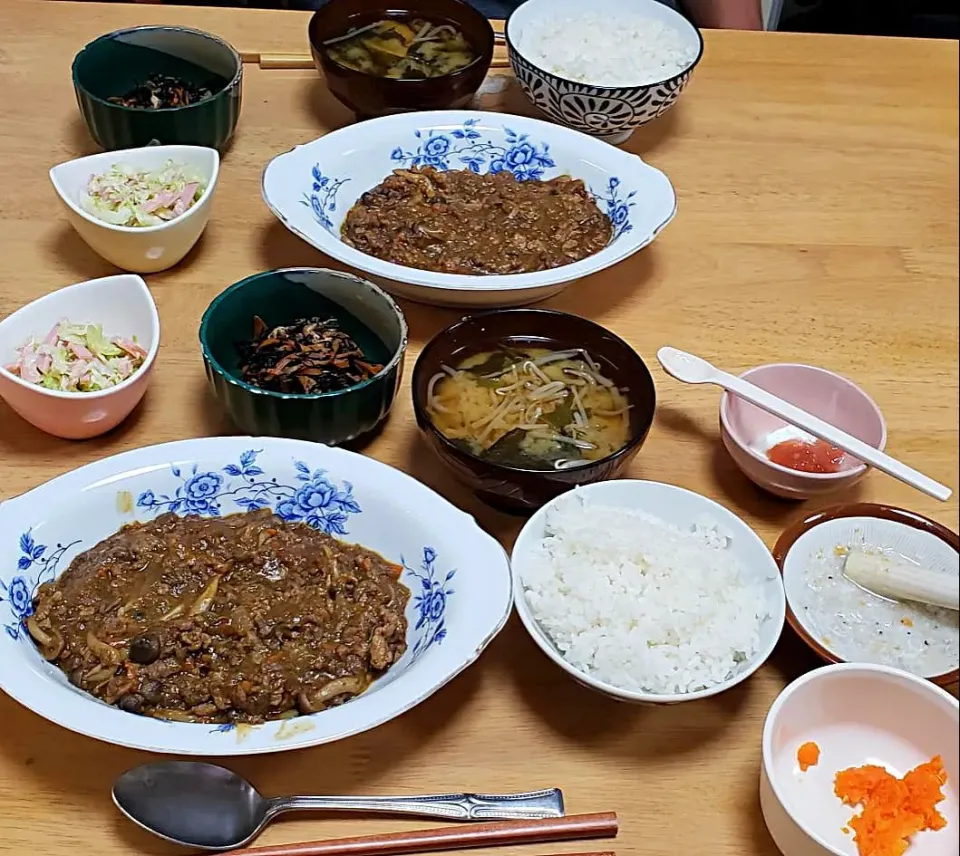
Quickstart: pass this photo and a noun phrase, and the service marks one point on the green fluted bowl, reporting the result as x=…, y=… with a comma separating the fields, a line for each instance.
x=116, y=63
x=365, y=311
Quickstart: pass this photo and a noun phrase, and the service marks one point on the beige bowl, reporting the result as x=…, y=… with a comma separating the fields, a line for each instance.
x=145, y=249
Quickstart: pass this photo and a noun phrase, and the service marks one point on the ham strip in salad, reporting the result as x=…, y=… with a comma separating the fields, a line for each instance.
x=124, y=196
x=77, y=358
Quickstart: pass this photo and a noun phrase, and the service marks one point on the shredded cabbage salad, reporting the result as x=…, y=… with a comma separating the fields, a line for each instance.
x=78, y=358
x=124, y=196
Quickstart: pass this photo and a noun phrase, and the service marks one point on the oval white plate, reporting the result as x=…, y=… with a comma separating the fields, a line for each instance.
x=683, y=509
x=458, y=575
x=312, y=187
x=888, y=535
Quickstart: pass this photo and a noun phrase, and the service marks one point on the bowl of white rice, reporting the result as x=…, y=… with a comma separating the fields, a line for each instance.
x=647, y=592
x=604, y=67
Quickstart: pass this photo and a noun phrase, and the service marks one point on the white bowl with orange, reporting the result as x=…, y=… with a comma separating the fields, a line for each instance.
x=862, y=759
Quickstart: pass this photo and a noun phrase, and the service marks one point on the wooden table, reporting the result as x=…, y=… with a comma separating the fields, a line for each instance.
x=817, y=183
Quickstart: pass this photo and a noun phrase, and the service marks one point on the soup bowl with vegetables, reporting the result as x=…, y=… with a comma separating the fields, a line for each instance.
x=140, y=209
x=524, y=404
x=378, y=59
x=77, y=361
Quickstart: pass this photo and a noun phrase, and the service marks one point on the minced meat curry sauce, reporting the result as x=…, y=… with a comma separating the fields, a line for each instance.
x=458, y=221
x=243, y=618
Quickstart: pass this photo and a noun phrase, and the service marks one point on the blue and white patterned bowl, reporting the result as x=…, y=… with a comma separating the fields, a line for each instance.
x=459, y=577
x=312, y=187
x=610, y=113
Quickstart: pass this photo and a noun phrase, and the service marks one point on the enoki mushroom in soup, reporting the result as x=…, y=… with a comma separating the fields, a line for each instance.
x=531, y=407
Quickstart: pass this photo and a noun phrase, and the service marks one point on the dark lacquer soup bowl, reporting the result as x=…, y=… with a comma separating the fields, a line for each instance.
x=509, y=486
x=369, y=95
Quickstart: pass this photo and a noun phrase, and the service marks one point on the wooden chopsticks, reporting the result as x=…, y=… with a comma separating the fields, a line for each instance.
x=305, y=60
x=491, y=834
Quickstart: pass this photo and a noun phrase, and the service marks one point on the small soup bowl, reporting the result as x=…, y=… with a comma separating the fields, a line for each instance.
x=857, y=714
x=145, y=249
x=123, y=306
x=368, y=95
x=365, y=312
x=118, y=62
x=744, y=427
x=514, y=488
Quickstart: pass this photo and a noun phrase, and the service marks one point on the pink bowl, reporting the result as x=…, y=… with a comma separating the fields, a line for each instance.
x=124, y=306
x=744, y=426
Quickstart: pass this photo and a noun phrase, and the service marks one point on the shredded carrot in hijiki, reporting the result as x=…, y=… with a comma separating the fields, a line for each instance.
x=893, y=809
x=807, y=756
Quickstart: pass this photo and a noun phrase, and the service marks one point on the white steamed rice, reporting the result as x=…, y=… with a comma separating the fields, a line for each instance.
x=640, y=604
x=587, y=48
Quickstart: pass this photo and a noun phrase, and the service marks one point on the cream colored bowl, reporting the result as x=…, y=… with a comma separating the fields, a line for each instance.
x=146, y=249
x=857, y=714
x=123, y=306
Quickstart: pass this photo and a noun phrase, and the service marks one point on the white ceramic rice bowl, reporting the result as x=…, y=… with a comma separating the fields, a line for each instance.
x=312, y=187
x=681, y=508
x=458, y=575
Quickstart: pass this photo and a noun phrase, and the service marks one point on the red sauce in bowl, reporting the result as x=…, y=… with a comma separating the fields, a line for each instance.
x=815, y=457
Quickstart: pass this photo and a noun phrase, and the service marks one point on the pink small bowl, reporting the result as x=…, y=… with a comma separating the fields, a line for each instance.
x=833, y=398
x=123, y=305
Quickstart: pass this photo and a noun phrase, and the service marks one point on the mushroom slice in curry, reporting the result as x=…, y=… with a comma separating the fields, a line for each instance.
x=243, y=618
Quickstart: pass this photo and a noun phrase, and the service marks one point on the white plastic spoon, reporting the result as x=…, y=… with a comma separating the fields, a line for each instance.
x=691, y=369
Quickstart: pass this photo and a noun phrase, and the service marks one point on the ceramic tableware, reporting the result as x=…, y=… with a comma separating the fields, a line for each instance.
x=118, y=62
x=692, y=369
x=683, y=509
x=611, y=113
x=458, y=575
x=369, y=95
x=143, y=249
x=856, y=714
x=210, y=807
x=124, y=307
x=513, y=488
x=367, y=313
x=311, y=188
x=840, y=621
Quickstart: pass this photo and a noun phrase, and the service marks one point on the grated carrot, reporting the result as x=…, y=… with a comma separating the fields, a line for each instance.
x=893, y=809
x=807, y=756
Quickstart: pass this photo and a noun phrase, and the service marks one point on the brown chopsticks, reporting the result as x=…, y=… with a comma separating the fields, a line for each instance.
x=491, y=834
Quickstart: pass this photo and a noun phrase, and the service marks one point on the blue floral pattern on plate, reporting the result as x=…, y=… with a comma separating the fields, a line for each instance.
x=322, y=199
x=430, y=602
x=312, y=498
x=617, y=207
x=37, y=564
x=467, y=147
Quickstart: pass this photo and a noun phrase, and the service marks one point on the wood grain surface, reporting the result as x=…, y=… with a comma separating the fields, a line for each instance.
x=817, y=181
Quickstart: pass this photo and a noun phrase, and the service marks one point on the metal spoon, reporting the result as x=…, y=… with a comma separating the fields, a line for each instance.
x=211, y=808
x=691, y=369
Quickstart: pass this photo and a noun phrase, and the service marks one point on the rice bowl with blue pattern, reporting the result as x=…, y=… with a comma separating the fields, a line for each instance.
x=458, y=576
x=312, y=187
